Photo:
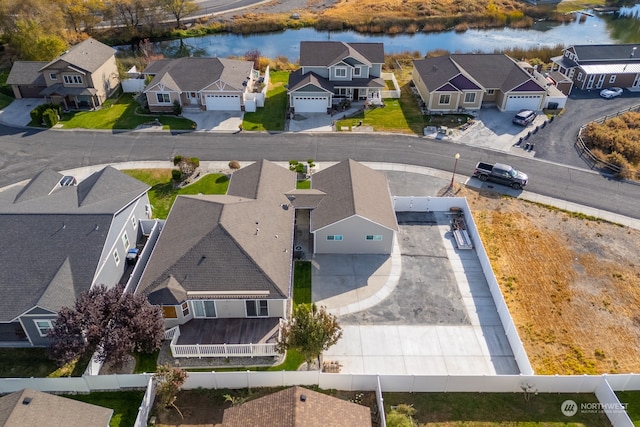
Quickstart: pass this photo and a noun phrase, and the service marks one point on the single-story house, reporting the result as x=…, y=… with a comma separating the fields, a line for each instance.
x=64, y=238
x=459, y=82
x=331, y=71
x=298, y=407
x=82, y=77
x=203, y=83
x=32, y=408
x=597, y=66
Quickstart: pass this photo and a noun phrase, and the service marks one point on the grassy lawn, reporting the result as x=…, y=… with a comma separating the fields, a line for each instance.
x=119, y=114
x=303, y=185
x=162, y=193
x=302, y=282
x=632, y=399
x=5, y=100
x=398, y=115
x=25, y=363
x=272, y=115
x=495, y=409
x=124, y=404
x=146, y=362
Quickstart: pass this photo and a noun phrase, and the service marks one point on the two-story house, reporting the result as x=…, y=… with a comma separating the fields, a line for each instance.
x=60, y=239
x=600, y=66
x=332, y=71
x=82, y=77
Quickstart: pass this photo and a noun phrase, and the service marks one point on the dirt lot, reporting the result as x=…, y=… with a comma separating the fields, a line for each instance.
x=572, y=284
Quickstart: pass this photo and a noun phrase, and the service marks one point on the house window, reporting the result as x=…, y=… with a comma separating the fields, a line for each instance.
x=185, y=309
x=580, y=76
x=163, y=98
x=372, y=237
x=357, y=72
x=341, y=72
x=116, y=257
x=340, y=91
x=204, y=308
x=44, y=326
x=334, y=237
x=490, y=92
x=444, y=99
x=469, y=97
x=134, y=222
x=612, y=79
x=53, y=76
x=257, y=308
x=72, y=80
x=169, y=312
x=125, y=241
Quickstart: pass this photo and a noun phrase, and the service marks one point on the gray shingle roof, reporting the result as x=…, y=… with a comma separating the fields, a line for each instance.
x=328, y=53
x=607, y=52
x=45, y=409
x=26, y=73
x=286, y=408
x=89, y=55
x=55, y=240
x=238, y=242
x=195, y=74
x=352, y=189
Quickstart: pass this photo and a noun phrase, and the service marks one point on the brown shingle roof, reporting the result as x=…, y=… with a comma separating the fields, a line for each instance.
x=88, y=55
x=26, y=73
x=31, y=408
x=286, y=408
x=328, y=53
x=352, y=189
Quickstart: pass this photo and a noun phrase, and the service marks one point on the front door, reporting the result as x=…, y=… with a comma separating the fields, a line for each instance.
x=192, y=97
x=355, y=94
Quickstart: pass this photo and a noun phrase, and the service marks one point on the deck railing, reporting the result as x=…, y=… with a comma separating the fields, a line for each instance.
x=217, y=350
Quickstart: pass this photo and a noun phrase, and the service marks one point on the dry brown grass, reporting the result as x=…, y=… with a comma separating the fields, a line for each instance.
x=571, y=284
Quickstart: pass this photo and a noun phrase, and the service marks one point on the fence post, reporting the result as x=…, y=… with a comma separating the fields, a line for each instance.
x=198, y=351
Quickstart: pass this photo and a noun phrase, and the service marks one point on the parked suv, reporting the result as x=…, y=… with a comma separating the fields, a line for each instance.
x=524, y=117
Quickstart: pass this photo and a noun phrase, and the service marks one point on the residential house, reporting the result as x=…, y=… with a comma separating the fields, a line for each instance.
x=31, y=408
x=203, y=83
x=470, y=81
x=221, y=268
x=298, y=407
x=60, y=240
x=82, y=77
x=332, y=71
x=356, y=214
x=597, y=66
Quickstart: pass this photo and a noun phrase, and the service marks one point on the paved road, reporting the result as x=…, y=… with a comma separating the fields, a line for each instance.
x=24, y=152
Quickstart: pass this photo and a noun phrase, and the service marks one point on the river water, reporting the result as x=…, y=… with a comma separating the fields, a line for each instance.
x=622, y=27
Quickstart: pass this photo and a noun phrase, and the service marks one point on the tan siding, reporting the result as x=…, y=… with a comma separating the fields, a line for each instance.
x=354, y=231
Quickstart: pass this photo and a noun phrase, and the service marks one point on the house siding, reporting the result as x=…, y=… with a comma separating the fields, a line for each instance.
x=321, y=71
x=29, y=327
x=354, y=231
x=227, y=309
x=105, y=79
x=155, y=106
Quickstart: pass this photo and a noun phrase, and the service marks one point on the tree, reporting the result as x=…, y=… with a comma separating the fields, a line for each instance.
x=168, y=382
x=106, y=322
x=311, y=330
x=179, y=8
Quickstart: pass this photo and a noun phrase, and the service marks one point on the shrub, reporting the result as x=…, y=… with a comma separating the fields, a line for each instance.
x=195, y=162
x=177, y=108
x=50, y=117
x=37, y=114
x=176, y=175
x=234, y=165
x=177, y=159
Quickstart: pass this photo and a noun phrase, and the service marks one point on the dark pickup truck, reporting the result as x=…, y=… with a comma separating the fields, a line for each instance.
x=500, y=173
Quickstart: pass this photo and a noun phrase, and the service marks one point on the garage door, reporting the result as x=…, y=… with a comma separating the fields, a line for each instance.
x=222, y=102
x=523, y=102
x=310, y=104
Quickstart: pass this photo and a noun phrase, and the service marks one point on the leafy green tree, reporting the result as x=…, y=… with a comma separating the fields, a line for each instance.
x=32, y=44
x=310, y=331
x=179, y=8
x=168, y=382
x=81, y=15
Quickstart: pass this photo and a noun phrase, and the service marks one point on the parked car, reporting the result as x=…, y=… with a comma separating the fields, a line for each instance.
x=611, y=92
x=524, y=117
x=500, y=173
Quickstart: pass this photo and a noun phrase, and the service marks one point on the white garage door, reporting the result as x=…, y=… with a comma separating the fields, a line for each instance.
x=223, y=102
x=310, y=104
x=523, y=102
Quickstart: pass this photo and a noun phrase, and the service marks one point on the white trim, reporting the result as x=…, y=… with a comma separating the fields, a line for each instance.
x=47, y=321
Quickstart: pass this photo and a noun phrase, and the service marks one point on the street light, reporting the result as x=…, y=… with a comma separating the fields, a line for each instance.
x=457, y=156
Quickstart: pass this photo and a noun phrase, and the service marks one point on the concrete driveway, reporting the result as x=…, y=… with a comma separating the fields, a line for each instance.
x=217, y=121
x=310, y=122
x=17, y=113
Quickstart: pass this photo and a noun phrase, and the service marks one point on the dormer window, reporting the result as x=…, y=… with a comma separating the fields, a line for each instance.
x=72, y=80
x=341, y=72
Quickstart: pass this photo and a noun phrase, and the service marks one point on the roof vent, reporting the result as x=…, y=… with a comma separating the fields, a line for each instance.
x=26, y=401
x=303, y=398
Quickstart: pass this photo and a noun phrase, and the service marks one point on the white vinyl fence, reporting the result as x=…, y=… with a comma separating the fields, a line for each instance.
x=146, y=405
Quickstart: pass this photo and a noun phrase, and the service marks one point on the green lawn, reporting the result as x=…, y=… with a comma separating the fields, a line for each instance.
x=162, y=193
x=5, y=100
x=146, y=362
x=495, y=409
x=303, y=185
x=125, y=405
x=400, y=115
x=25, y=363
x=272, y=115
x=120, y=114
x=632, y=399
x=302, y=282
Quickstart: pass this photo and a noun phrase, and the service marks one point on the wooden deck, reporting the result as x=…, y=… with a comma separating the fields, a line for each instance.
x=227, y=331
